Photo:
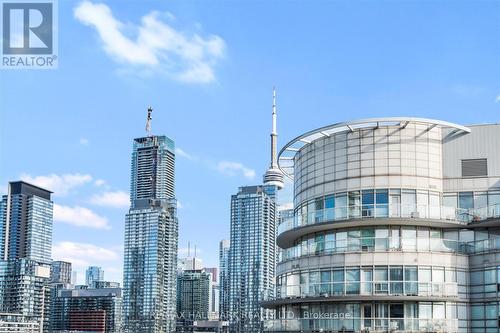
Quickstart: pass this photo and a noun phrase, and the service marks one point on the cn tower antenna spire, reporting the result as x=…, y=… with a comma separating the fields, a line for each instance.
x=274, y=111
x=273, y=176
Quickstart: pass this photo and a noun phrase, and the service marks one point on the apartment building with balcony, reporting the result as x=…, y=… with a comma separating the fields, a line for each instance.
x=396, y=228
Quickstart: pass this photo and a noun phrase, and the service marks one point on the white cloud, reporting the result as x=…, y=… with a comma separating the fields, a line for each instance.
x=179, y=205
x=116, y=199
x=84, y=141
x=158, y=47
x=232, y=168
x=182, y=153
x=79, y=217
x=61, y=185
x=82, y=255
x=497, y=100
x=99, y=182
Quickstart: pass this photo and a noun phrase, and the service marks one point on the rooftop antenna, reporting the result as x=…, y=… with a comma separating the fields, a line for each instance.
x=189, y=249
x=195, y=251
x=148, y=121
x=274, y=134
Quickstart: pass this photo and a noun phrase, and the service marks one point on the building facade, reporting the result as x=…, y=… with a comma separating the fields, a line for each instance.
x=395, y=229
x=25, y=248
x=194, y=289
x=252, y=257
x=60, y=272
x=93, y=273
x=26, y=228
x=151, y=236
x=224, y=279
x=87, y=310
x=214, y=296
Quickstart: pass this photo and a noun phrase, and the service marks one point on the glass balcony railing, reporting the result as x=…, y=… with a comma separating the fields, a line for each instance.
x=458, y=215
x=374, y=244
x=366, y=288
x=362, y=324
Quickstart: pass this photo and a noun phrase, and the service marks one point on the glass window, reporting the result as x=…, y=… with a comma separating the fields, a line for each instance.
x=438, y=274
x=411, y=310
x=423, y=239
x=477, y=311
x=352, y=274
x=480, y=200
x=352, y=287
x=354, y=204
x=341, y=206
x=319, y=203
x=465, y=200
x=438, y=311
x=396, y=276
x=411, y=273
x=450, y=200
x=425, y=310
x=330, y=202
x=490, y=276
x=396, y=310
x=424, y=274
x=381, y=239
x=422, y=203
x=338, y=279
x=411, y=280
x=367, y=239
x=368, y=197
x=450, y=275
x=353, y=240
x=310, y=206
x=381, y=274
x=493, y=198
x=368, y=201
x=409, y=238
x=408, y=203
x=338, y=275
x=326, y=276
x=382, y=197
x=382, y=203
x=396, y=273
x=434, y=205
x=476, y=278
x=490, y=310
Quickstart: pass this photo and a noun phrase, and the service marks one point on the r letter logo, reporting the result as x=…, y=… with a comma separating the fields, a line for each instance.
x=29, y=35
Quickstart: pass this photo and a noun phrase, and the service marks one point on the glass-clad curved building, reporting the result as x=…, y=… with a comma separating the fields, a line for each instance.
x=396, y=228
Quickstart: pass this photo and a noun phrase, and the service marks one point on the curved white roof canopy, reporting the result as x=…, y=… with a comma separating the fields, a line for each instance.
x=287, y=154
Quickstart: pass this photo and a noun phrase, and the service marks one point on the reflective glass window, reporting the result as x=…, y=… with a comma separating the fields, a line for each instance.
x=465, y=200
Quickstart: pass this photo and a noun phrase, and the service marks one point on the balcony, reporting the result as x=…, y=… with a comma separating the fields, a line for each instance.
x=461, y=217
x=368, y=288
x=357, y=324
x=389, y=244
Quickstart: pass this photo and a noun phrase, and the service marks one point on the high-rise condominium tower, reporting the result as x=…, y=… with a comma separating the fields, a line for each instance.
x=395, y=229
x=25, y=247
x=151, y=233
x=252, y=253
x=93, y=273
x=224, y=279
x=26, y=228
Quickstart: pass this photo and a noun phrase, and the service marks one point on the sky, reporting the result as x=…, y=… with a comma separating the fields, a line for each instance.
x=207, y=69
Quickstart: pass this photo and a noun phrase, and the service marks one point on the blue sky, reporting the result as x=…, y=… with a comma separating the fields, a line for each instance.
x=208, y=69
